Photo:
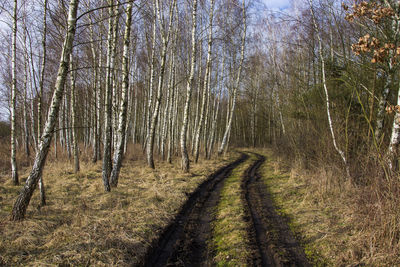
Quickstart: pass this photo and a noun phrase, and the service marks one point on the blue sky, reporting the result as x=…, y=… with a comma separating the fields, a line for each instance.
x=277, y=4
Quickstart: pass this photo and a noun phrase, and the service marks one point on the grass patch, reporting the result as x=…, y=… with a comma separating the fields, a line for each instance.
x=230, y=236
x=333, y=227
x=290, y=198
x=84, y=226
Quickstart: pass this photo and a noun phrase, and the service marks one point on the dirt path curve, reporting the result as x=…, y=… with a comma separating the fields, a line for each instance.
x=184, y=242
x=273, y=241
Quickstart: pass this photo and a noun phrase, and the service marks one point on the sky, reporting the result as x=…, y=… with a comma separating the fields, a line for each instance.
x=277, y=5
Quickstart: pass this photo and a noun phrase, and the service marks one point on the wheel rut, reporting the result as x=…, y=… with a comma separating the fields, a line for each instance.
x=184, y=241
x=273, y=242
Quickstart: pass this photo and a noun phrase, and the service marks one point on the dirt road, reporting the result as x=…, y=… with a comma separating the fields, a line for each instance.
x=185, y=242
x=269, y=232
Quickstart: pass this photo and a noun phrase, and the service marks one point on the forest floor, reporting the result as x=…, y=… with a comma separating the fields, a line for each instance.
x=244, y=209
x=81, y=225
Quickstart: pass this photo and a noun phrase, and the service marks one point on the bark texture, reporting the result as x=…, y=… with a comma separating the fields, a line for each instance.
x=22, y=201
x=185, y=156
x=108, y=95
x=227, y=133
x=119, y=149
x=14, y=171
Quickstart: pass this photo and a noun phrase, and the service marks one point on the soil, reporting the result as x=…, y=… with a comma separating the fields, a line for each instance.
x=275, y=244
x=185, y=241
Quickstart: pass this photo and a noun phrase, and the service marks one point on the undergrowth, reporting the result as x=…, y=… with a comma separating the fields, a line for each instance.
x=339, y=223
x=84, y=226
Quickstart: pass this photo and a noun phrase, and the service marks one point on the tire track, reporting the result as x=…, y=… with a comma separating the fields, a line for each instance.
x=273, y=241
x=184, y=241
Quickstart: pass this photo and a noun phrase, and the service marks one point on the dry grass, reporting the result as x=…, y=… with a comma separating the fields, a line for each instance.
x=82, y=225
x=230, y=236
x=340, y=224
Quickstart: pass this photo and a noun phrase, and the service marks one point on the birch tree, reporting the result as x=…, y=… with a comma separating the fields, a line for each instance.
x=165, y=35
x=96, y=92
x=227, y=132
x=119, y=150
x=206, y=85
x=73, y=116
x=327, y=102
x=22, y=201
x=185, y=156
x=108, y=95
x=14, y=171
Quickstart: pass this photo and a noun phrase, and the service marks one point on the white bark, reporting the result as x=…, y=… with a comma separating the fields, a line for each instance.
x=152, y=75
x=73, y=116
x=328, y=113
x=14, y=171
x=394, y=139
x=185, y=156
x=25, y=195
x=108, y=96
x=167, y=108
x=25, y=112
x=165, y=39
x=171, y=122
x=96, y=95
x=206, y=86
x=119, y=149
x=225, y=139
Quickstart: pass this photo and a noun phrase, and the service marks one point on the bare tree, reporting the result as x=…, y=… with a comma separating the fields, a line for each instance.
x=108, y=95
x=24, y=197
x=185, y=156
x=165, y=36
x=206, y=86
x=118, y=153
x=14, y=96
x=227, y=133
x=327, y=102
x=73, y=115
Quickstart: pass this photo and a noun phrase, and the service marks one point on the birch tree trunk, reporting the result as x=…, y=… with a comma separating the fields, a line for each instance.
x=134, y=123
x=395, y=135
x=328, y=113
x=67, y=127
x=25, y=195
x=96, y=95
x=214, y=123
x=152, y=76
x=394, y=139
x=119, y=149
x=216, y=107
x=171, y=121
x=42, y=72
x=99, y=103
x=42, y=191
x=390, y=74
x=115, y=82
x=225, y=139
x=73, y=116
x=185, y=156
x=108, y=105
x=206, y=85
x=13, y=97
x=25, y=102
x=198, y=97
x=165, y=39
x=32, y=115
